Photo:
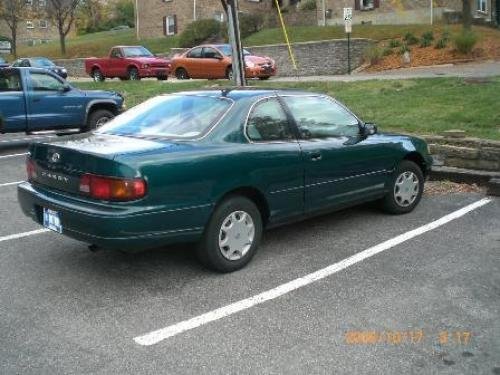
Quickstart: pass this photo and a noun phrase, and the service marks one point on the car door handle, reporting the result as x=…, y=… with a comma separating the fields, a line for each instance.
x=315, y=156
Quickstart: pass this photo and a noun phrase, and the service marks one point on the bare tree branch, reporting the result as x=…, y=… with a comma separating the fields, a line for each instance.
x=62, y=13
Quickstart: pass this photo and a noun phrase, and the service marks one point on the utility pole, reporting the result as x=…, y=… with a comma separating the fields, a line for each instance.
x=231, y=9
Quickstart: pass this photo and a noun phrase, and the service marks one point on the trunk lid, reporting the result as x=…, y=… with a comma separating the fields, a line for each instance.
x=59, y=165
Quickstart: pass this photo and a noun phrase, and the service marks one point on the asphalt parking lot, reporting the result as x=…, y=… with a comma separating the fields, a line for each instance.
x=406, y=302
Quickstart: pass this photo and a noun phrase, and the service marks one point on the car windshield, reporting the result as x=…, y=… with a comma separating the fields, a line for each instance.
x=169, y=116
x=136, y=52
x=42, y=62
x=228, y=51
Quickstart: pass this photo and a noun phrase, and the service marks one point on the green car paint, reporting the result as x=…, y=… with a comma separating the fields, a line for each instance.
x=186, y=178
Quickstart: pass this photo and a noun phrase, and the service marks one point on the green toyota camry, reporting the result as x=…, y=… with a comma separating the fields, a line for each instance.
x=217, y=167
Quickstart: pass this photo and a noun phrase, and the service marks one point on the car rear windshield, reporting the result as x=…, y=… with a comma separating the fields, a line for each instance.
x=169, y=116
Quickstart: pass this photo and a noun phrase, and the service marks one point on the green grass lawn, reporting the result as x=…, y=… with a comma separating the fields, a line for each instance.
x=420, y=106
x=98, y=44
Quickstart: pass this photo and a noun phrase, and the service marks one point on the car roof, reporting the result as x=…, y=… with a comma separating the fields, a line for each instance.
x=237, y=93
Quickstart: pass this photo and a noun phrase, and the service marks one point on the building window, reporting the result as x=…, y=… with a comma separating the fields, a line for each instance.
x=29, y=2
x=29, y=25
x=43, y=24
x=42, y=3
x=219, y=16
x=366, y=4
x=170, y=25
x=481, y=6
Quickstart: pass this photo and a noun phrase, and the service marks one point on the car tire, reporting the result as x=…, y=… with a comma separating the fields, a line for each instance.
x=97, y=75
x=405, y=189
x=232, y=236
x=98, y=118
x=229, y=73
x=181, y=73
x=133, y=74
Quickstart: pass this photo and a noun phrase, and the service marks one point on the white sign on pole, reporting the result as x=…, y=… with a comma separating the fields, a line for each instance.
x=348, y=20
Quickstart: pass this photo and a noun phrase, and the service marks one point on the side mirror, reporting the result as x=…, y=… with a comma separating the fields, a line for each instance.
x=65, y=88
x=369, y=129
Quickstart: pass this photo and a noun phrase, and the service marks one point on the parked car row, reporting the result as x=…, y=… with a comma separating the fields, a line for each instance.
x=36, y=62
x=211, y=61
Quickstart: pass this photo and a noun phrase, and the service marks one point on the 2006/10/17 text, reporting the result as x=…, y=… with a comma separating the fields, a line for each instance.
x=407, y=337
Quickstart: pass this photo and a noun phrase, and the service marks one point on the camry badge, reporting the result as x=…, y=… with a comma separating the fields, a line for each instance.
x=55, y=157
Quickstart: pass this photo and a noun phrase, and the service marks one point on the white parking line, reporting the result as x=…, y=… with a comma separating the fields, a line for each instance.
x=164, y=333
x=12, y=155
x=24, y=234
x=11, y=183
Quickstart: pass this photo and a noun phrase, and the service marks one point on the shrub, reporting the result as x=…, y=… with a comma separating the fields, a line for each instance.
x=425, y=43
x=441, y=43
x=410, y=39
x=387, y=51
x=404, y=48
x=394, y=43
x=249, y=24
x=373, y=55
x=465, y=42
x=428, y=35
x=199, y=31
x=307, y=5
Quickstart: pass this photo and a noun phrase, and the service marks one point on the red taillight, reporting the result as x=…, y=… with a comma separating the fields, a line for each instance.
x=31, y=169
x=112, y=188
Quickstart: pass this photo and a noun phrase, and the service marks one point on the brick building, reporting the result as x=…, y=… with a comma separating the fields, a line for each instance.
x=169, y=17
x=403, y=11
x=36, y=28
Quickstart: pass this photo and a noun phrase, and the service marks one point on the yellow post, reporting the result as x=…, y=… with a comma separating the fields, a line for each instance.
x=292, y=57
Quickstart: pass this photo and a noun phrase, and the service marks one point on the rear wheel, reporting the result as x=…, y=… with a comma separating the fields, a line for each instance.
x=181, y=73
x=97, y=75
x=232, y=235
x=229, y=73
x=407, y=186
x=133, y=74
x=98, y=118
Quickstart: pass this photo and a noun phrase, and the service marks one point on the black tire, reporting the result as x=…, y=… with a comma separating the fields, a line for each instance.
x=392, y=202
x=229, y=73
x=181, y=73
x=210, y=253
x=97, y=75
x=133, y=74
x=98, y=118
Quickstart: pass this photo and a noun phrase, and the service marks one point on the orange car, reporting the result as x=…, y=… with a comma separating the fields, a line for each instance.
x=213, y=61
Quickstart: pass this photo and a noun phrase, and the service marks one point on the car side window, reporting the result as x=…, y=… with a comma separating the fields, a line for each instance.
x=321, y=117
x=116, y=53
x=44, y=82
x=195, y=53
x=210, y=53
x=268, y=122
x=10, y=81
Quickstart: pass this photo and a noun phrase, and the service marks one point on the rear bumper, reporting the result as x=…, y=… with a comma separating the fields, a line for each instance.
x=154, y=72
x=112, y=226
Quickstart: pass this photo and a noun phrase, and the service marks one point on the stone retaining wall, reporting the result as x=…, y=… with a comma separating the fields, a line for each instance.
x=313, y=58
x=469, y=153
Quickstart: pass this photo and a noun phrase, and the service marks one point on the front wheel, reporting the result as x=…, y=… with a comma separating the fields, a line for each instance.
x=181, y=73
x=97, y=75
x=405, y=190
x=232, y=235
x=98, y=118
x=133, y=74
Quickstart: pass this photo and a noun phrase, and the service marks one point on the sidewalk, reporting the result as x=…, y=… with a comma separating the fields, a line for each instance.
x=468, y=70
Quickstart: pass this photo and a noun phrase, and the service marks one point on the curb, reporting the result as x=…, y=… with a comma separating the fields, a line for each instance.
x=489, y=179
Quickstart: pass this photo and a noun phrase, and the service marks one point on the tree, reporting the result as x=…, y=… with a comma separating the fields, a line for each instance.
x=13, y=12
x=467, y=14
x=62, y=13
x=89, y=16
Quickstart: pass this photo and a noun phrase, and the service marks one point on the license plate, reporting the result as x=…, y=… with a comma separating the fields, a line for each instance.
x=51, y=220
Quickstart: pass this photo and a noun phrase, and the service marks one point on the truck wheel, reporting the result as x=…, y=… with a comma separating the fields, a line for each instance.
x=97, y=75
x=133, y=74
x=232, y=235
x=98, y=118
x=181, y=73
